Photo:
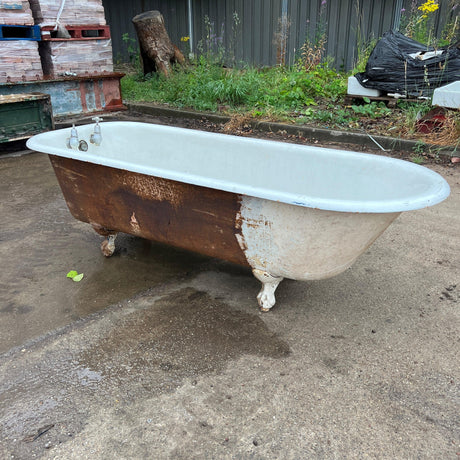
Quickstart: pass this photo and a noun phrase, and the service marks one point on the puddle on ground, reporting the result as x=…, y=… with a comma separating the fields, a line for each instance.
x=137, y=264
x=185, y=334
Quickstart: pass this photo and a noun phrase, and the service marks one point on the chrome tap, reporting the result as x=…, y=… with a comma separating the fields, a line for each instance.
x=96, y=137
x=72, y=141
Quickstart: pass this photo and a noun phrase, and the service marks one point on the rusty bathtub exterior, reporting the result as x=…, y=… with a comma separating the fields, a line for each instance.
x=199, y=219
x=286, y=238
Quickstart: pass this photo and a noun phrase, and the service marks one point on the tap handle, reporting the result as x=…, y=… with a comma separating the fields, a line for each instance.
x=72, y=141
x=73, y=131
x=97, y=119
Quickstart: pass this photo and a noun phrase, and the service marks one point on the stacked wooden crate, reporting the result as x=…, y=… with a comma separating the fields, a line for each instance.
x=19, y=55
x=89, y=48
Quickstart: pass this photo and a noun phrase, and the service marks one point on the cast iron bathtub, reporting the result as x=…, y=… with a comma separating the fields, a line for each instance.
x=285, y=210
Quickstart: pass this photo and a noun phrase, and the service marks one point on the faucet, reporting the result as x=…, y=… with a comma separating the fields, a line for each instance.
x=72, y=141
x=96, y=137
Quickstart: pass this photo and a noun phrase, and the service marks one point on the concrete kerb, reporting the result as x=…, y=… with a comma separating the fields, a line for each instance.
x=320, y=134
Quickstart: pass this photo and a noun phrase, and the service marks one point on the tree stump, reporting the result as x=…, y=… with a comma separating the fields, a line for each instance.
x=157, y=50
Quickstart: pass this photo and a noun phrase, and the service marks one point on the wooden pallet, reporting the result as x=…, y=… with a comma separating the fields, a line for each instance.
x=390, y=101
x=82, y=32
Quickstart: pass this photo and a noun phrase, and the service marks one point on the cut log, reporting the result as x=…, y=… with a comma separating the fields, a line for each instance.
x=158, y=53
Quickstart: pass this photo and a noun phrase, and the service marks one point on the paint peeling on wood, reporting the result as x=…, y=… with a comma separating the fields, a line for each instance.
x=72, y=95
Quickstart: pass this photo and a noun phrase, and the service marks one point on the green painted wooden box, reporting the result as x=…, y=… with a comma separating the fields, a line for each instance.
x=23, y=115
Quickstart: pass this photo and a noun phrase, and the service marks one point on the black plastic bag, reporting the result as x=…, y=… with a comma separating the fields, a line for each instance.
x=401, y=65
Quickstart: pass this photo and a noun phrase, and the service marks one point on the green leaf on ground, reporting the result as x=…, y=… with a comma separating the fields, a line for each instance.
x=75, y=276
x=78, y=277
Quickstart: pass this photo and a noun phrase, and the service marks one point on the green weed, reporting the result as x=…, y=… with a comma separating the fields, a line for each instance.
x=372, y=109
x=206, y=85
x=417, y=159
x=419, y=148
x=133, y=51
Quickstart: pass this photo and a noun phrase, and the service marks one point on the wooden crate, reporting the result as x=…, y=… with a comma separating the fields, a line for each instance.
x=75, y=95
x=75, y=12
x=23, y=115
x=80, y=57
x=17, y=12
x=19, y=61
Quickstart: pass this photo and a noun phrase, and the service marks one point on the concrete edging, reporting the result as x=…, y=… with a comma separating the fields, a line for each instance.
x=320, y=134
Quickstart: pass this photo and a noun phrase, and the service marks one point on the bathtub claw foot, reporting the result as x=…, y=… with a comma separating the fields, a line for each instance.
x=108, y=245
x=266, y=296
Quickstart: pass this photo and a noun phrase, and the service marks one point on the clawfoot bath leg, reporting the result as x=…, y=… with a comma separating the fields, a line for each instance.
x=266, y=296
x=108, y=245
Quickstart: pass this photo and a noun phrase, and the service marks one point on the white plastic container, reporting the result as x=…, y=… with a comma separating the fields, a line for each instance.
x=447, y=96
x=356, y=89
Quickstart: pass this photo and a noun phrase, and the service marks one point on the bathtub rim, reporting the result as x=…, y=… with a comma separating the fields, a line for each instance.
x=440, y=189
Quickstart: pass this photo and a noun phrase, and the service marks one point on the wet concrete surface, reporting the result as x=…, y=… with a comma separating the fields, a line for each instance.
x=160, y=353
x=49, y=244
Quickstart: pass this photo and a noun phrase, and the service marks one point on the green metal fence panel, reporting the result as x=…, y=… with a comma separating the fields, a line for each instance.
x=270, y=32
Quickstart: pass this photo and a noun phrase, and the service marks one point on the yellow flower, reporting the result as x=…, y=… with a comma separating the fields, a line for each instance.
x=428, y=7
x=184, y=39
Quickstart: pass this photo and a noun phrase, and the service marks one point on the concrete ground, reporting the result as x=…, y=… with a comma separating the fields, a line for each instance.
x=159, y=353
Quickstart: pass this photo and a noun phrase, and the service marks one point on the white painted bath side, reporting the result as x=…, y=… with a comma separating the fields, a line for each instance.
x=303, y=243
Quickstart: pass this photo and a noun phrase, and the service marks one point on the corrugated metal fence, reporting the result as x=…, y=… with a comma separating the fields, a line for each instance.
x=268, y=32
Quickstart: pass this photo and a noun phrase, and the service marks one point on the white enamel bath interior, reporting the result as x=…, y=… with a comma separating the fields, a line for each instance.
x=314, y=177
x=306, y=212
